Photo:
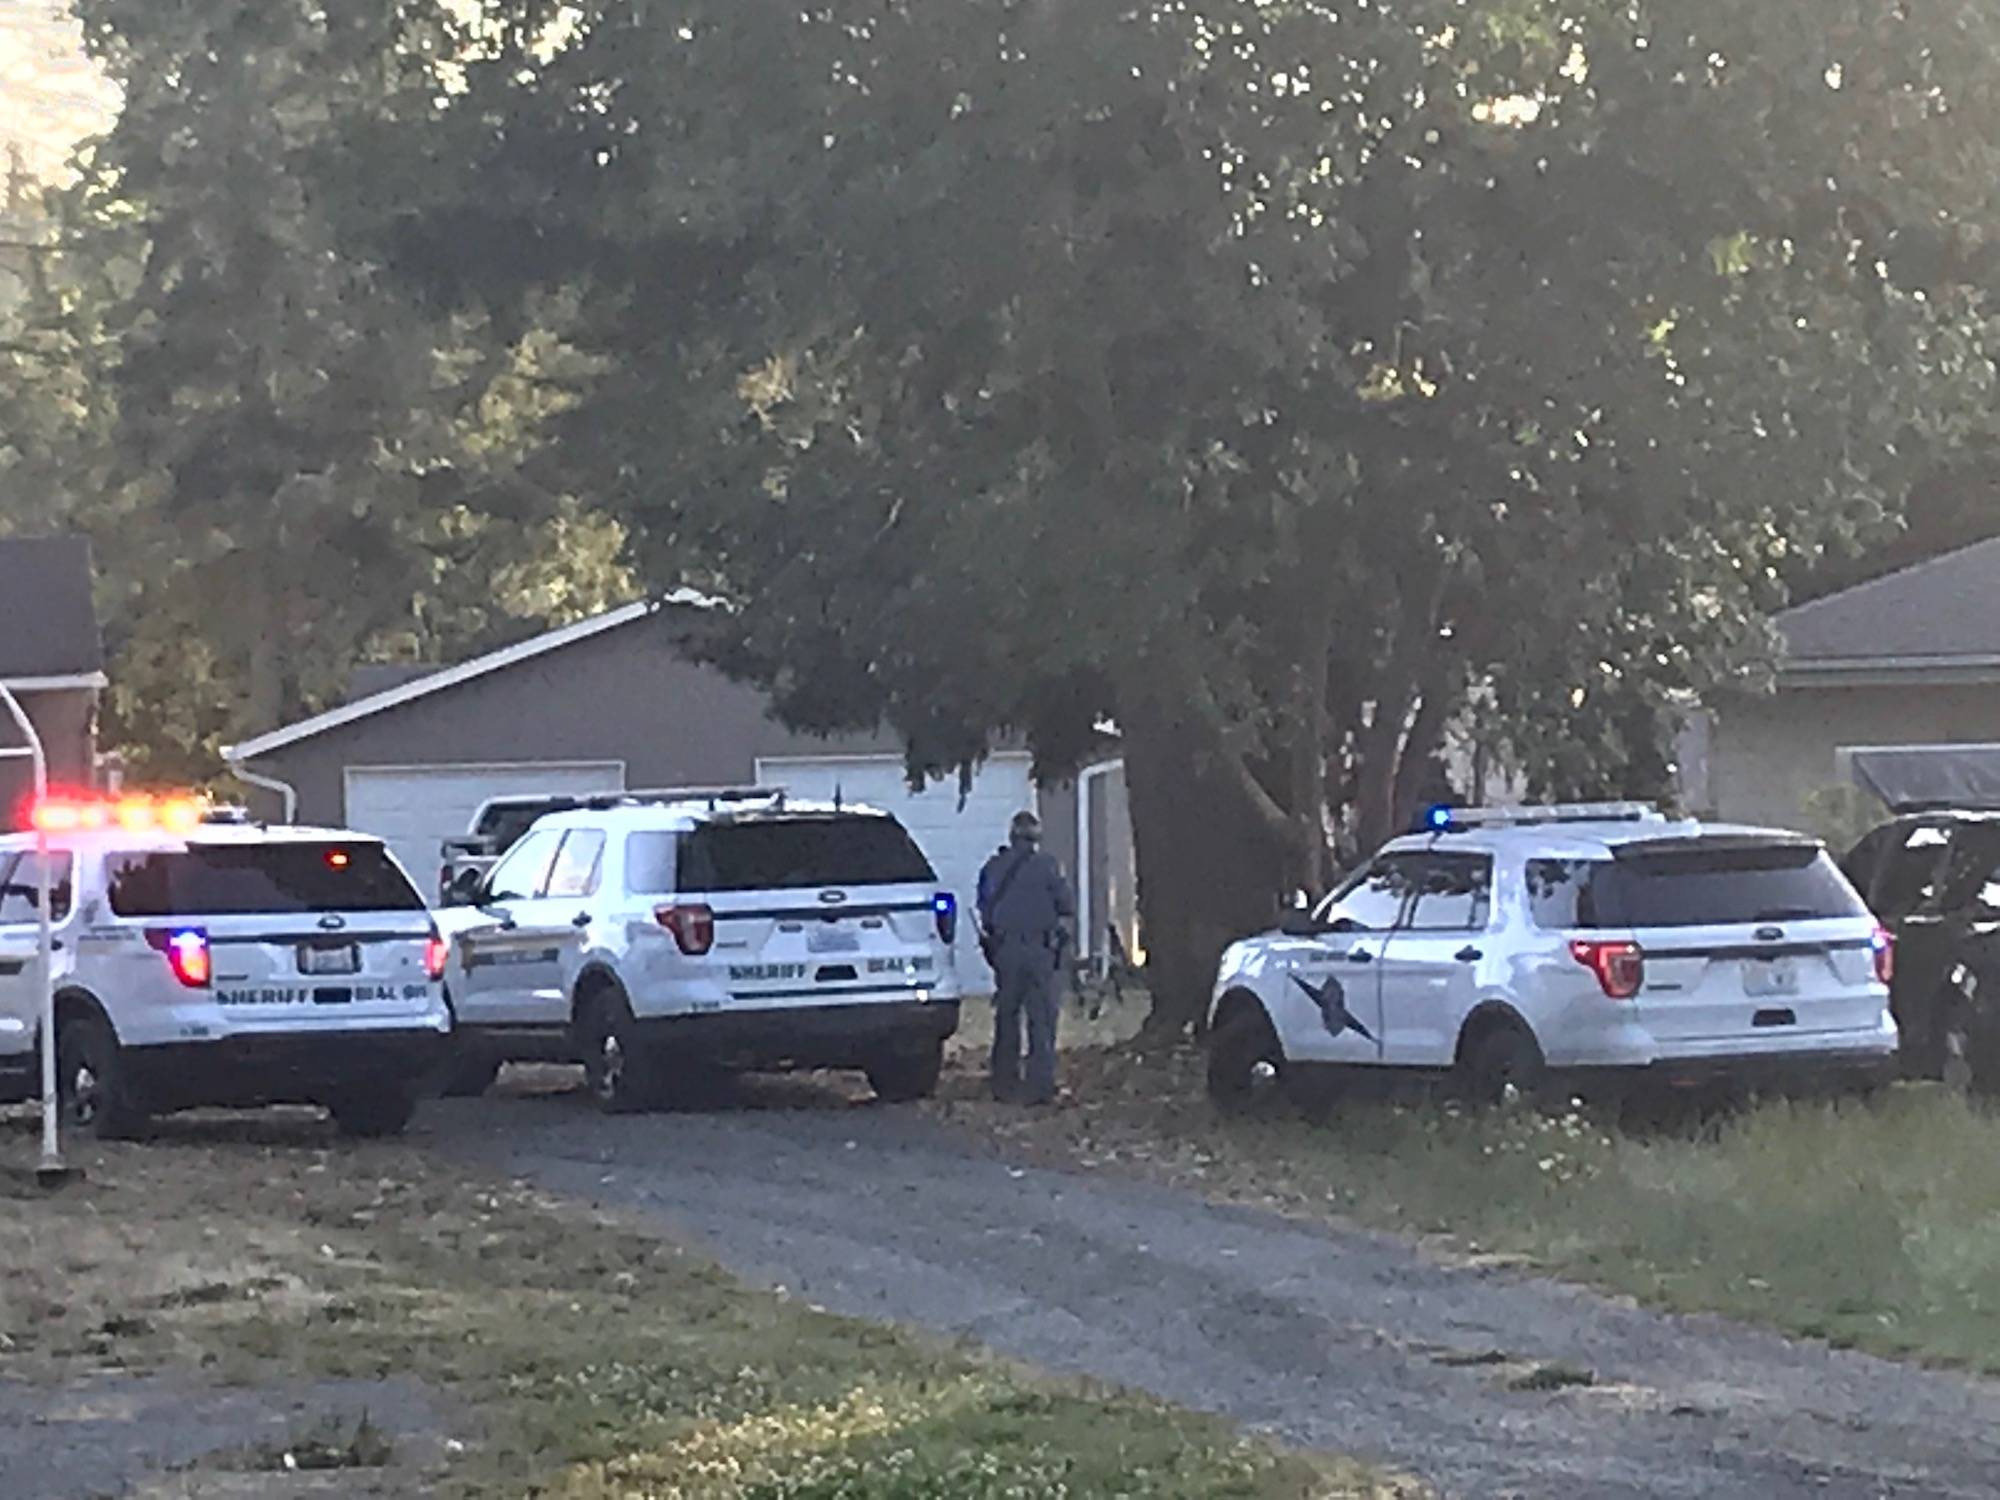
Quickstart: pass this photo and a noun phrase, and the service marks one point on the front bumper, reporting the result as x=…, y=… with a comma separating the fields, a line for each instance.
x=253, y=1068
x=818, y=1036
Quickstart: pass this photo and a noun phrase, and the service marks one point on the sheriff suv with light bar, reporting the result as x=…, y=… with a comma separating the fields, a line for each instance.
x=217, y=963
x=657, y=939
x=1588, y=946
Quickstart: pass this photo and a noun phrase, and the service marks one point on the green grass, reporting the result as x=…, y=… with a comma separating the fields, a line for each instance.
x=1875, y=1225
x=589, y=1361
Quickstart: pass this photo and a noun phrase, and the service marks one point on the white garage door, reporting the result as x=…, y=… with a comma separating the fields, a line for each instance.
x=416, y=808
x=957, y=840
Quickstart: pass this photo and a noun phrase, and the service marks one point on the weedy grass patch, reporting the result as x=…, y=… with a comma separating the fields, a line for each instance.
x=588, y=1360
x=1874, y=1224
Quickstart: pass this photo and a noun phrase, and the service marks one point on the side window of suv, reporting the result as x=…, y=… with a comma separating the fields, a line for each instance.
x=649, y=863
x=574, y=873
x=1374, y=900
x=1454, y=893
x=20, y=888
x=523, y=873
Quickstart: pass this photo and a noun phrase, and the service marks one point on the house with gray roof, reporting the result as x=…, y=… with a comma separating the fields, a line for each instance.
x=622, y=702
x=51, y=658
x=1908, y=660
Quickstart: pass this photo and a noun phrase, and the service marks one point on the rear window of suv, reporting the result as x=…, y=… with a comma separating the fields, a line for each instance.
x=795, y=853
x=1697, y=886
x=257, y=880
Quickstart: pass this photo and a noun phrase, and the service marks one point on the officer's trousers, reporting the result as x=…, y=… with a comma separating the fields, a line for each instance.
x=1029, y=998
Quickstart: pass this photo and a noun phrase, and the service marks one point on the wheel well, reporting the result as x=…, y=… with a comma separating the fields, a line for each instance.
x=1487, y=1018
x=1234, y=1004
x=592, y=982
x=72, y=1004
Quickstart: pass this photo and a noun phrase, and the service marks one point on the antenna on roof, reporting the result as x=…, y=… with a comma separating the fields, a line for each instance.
x=836, y=797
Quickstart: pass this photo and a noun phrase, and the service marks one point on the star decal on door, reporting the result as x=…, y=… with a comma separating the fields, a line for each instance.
x=1332, y=1002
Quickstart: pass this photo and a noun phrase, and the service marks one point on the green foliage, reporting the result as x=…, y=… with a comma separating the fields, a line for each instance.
x=1283, y=382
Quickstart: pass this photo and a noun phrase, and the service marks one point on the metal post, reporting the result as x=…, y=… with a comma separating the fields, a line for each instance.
x=51, y=1171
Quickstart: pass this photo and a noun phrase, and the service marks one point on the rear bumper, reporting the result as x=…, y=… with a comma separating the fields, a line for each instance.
x=1801, y=1070
x=266, y=1068
x=818, y=1036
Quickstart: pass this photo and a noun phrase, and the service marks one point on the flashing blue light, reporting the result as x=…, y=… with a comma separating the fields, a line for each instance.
x=1438, y=819
x=944, y=902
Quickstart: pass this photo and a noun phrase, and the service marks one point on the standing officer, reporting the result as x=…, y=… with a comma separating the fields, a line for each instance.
x=1025, y=911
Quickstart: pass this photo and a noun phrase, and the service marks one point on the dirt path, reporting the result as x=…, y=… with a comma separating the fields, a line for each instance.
x=1343, y=1340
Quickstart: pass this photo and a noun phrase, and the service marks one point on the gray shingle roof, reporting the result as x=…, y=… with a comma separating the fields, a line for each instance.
x=1937, y=611
x=48, y=623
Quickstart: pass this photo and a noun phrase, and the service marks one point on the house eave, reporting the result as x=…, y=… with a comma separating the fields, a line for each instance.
x=1890, y=671
x=58, y=682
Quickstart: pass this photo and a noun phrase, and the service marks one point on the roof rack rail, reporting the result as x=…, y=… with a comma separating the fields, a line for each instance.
x=1448, y=819
x=714, y=796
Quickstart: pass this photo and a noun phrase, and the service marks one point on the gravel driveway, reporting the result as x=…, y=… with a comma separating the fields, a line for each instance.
x=1345, y=1341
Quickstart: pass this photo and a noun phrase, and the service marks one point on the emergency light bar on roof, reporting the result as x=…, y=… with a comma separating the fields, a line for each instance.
x=86, y=813
x=1454, y=819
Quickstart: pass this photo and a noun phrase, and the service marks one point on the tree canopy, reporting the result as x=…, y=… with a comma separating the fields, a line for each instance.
x=1285, y=383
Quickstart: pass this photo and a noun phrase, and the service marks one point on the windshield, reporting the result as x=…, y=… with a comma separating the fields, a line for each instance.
x=261, y=880
x=794, y=853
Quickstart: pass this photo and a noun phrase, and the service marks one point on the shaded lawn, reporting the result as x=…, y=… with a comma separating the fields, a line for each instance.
x=591, y=1361
x=1875, y=1225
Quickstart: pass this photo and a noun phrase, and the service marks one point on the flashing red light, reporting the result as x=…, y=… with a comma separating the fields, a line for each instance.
x=187, y=954
x=86, y=813
x=436, y=954
x=693, y=927
x=1620, y=967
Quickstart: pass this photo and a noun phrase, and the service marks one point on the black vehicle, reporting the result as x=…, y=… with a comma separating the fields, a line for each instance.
x=1933, y=877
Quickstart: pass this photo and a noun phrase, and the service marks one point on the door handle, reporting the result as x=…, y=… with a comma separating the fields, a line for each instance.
x=1468, y=955
x=581, y=919
x=1360, y=956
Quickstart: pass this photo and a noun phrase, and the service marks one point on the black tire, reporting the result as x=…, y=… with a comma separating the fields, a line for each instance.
x=471, y=1072
x=1246, y=1062
x=618, y=1069
x=96, y=1094
x=908, y=1074
x=373, y=1112
x=1502, y=1065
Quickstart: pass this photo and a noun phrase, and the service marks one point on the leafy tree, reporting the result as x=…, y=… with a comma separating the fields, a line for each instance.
x=1283, y=381
x=286, y=467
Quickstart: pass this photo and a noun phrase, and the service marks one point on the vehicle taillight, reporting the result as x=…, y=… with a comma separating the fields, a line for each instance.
x=693, y=927
x=944, y=906
x=186, y=950
x=1883, y=945
x=1620, y=967
x=436, y=952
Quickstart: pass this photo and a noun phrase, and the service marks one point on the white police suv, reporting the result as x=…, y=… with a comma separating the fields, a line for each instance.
x=657, y=938
x=1585, y=946
x=203, y=963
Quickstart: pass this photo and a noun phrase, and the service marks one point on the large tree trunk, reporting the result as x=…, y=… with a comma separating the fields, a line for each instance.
x=1209, y=871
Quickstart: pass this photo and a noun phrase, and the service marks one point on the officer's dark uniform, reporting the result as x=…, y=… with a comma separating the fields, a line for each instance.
x=1026, y=910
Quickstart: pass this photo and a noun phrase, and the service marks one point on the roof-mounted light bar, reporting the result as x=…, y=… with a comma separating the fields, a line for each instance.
x=1448, y=819
x=88, y=813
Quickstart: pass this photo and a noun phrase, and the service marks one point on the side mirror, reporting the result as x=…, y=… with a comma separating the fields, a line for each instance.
x=466, y=886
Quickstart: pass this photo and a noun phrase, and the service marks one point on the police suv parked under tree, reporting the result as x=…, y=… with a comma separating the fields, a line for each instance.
x=1589, y=946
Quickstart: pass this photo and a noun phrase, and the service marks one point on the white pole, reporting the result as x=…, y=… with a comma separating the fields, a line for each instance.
x=51, y=1169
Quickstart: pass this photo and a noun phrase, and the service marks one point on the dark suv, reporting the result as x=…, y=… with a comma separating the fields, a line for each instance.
x=1933, y=878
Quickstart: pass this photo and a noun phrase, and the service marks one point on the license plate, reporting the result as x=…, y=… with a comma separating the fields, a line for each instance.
x=345, y=959
x=1771, y=976
x=830, y=939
